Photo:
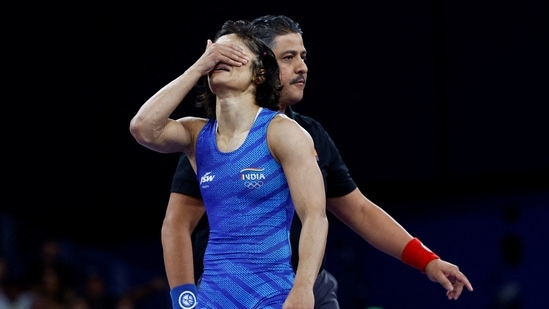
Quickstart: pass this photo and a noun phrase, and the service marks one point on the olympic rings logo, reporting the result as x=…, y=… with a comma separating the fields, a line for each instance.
x=253, y=184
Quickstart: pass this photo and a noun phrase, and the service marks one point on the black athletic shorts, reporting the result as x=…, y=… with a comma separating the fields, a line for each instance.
x=325, y=290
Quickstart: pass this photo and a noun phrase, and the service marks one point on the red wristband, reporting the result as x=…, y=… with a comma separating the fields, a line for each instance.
x=417, y=255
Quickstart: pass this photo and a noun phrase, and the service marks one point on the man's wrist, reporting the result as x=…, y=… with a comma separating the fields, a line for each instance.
x=184, y=296
x=417, y=255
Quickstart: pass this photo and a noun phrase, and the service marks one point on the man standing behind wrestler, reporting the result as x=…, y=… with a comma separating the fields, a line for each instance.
x=344, y=199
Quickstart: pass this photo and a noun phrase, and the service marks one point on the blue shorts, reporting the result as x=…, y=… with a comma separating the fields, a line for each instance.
x=324, y=289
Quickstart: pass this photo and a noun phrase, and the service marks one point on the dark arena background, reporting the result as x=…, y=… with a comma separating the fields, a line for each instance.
x=439, y=108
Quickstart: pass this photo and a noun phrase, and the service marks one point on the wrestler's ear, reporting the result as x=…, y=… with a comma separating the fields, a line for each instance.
x=260, y=77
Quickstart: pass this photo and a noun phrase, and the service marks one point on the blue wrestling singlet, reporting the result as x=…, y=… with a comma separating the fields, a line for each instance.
x=247, y=263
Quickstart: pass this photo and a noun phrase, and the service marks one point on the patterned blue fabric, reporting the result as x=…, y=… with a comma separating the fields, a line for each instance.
x=247, y=263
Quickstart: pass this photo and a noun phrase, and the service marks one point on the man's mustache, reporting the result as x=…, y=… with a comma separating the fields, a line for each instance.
x=299, y=78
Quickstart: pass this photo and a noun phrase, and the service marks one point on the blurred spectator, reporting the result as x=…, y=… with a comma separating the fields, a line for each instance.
x=49, y=292
x=125, y=302
x=50, y=278
x=13, y=293
x=96, y=293
x=76, y=301
x=152, y=294
x=49, y=260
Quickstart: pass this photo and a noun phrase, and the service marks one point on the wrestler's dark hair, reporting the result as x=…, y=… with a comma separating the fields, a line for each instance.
x=264, y=69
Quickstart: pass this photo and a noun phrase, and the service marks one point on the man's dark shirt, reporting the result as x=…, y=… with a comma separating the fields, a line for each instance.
x=337, y=182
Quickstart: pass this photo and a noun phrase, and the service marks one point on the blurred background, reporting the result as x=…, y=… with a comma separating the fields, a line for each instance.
x=439, y=108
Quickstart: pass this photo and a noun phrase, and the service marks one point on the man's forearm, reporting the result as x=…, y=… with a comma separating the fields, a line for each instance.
x=178, y=258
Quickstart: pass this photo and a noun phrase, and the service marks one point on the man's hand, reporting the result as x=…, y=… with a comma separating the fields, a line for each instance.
x=449, y=276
